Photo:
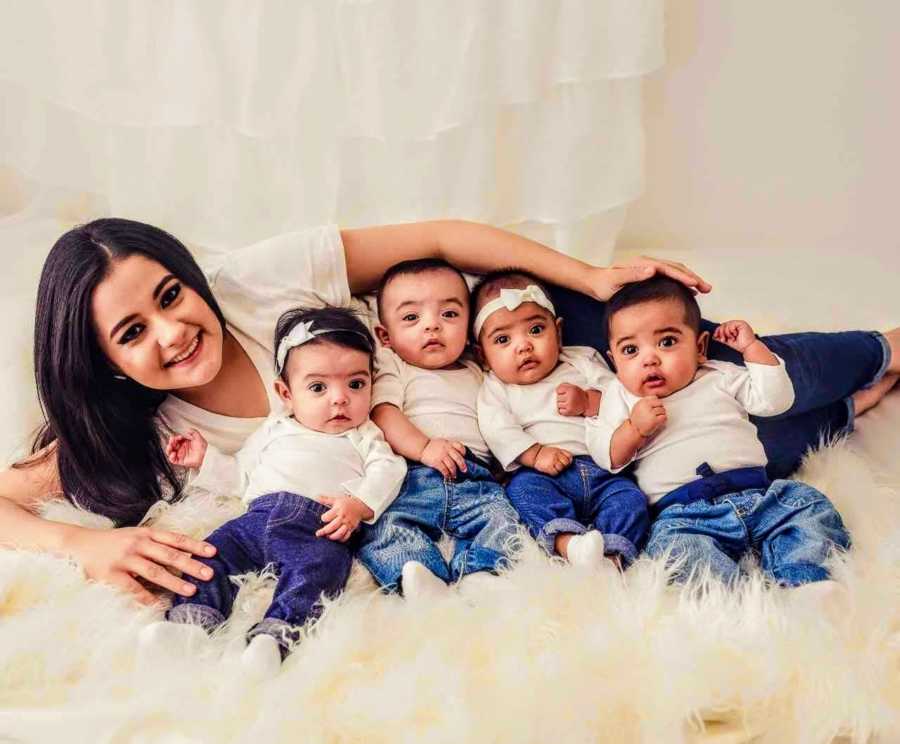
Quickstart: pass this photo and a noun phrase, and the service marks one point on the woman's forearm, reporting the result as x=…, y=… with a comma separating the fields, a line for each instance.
x=470, y=246
x=19, y=528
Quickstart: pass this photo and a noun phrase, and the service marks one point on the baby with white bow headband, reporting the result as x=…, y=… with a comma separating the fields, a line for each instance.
x=531, y=411
x=310, y=475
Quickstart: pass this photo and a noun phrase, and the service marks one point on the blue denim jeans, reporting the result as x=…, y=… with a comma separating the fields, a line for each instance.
x=472, y=509
x=826, y=368
x=278, y=529
x=791, y=526
x=582, y=497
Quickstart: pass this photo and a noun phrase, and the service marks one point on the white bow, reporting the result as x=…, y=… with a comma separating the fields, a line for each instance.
x=511, y=299
x=299, y=335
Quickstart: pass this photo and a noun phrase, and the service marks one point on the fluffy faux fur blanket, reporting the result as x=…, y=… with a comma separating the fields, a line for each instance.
x=549, y=653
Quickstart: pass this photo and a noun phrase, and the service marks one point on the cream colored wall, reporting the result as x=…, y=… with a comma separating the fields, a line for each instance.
x=772, y=148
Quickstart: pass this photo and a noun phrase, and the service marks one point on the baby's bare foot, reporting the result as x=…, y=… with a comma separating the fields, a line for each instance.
x=863, y=400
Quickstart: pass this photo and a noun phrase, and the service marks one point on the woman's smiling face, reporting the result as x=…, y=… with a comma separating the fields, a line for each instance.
x=154, y=328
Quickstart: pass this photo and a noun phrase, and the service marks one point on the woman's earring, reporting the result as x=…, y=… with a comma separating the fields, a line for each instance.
x=119, y=377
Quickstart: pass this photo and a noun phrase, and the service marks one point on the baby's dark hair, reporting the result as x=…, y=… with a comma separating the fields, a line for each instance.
x=344, y=329
x=511, y=277
x=655, y=289
x=415, y=266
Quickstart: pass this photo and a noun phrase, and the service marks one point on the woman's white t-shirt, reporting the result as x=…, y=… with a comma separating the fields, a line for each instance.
x=254, y=286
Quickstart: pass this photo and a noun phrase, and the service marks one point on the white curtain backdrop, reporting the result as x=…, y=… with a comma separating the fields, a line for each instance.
x=226, y=121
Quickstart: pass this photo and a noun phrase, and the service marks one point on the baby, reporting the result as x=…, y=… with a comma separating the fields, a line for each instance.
x=684, y=420
x=425, y=401
x=531, y=409
x=309, y=478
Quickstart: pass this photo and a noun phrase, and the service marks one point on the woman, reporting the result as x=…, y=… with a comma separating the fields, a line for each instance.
x=131, y=338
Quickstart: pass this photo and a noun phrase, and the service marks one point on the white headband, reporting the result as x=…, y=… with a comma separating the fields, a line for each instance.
x=301, y=334
x=511, y=299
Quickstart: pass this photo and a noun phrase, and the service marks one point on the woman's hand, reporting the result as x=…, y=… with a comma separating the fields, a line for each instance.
x=122, y=556
x=605, y=282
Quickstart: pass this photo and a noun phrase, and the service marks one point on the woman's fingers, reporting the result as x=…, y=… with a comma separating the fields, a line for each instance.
x=182, y=542
x=166, y=556
x=124, y=582
x=679, y=271
x=156, y=574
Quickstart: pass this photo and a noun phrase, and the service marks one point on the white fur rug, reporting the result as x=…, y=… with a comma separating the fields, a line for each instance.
x=549, y=653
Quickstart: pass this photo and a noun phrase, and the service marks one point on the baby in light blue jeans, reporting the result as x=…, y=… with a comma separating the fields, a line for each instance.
x=683, y=420
x=424, y=399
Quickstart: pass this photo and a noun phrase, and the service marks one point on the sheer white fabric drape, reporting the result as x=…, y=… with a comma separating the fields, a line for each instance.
x=229, y=120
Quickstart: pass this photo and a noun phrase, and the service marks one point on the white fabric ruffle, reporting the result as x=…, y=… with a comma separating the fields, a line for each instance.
x=226, y=122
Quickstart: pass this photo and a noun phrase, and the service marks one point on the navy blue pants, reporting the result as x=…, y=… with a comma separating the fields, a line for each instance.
x=826, y=368
x=583, y=496
x=278, y=529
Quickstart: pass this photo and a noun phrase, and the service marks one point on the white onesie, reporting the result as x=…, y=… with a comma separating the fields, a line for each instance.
x=707, y=421
x=284, y=455
x=516, y=417
x=441, y=403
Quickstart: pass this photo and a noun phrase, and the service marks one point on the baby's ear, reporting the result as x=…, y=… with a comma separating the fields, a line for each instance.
x=284, y=392
x=559, y=329
x=702, y=344
x=384, y=337
x=612, y=362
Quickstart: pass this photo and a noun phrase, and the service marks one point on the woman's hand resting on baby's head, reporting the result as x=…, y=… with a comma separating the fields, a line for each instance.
x=187, y=450
x=343, y=518
x=606, y=281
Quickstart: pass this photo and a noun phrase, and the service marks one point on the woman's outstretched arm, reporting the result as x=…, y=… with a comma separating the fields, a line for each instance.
x=116, y=557
x=479, y=248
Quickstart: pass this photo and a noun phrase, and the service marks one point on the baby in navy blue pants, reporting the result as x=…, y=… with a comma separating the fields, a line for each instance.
x=531, y=411
x=309, y=476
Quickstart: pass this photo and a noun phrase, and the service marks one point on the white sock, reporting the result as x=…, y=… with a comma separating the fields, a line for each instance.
x=586, y=549
x=262, y=657
x=172, y=638
x=418, y=582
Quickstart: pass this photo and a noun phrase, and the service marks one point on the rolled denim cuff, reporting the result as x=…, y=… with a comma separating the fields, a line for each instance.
x=620, y=545
x=191, y=613
x=547, y=536
x=284, y=633
x=886, y=349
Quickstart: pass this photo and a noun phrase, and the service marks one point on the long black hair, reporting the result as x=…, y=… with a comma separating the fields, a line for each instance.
x=108, y=448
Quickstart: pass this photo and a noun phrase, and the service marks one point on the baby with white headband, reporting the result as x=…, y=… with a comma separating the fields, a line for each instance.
x=531, y=411
x=309, y=475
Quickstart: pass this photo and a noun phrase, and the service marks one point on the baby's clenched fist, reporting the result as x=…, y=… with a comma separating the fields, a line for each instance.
x=648, y=416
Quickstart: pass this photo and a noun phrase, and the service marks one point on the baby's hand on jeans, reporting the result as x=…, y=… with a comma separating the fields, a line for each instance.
x=648, y=416
x=444, y=456
x=737, y=334
x=187, y=450
x=343, y=517
x=571, y=400
x=552, y=460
